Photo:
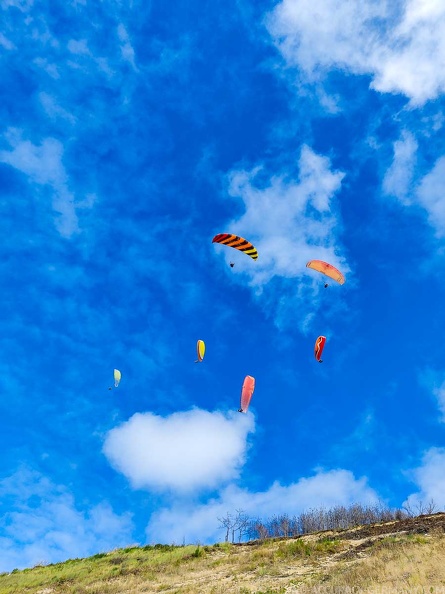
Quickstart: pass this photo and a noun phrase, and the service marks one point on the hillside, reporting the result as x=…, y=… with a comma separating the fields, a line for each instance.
x=400, y=556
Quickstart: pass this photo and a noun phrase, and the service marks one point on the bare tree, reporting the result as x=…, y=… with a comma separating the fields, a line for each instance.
x=285, y=525
x=261, y=529
x=243, y=522
x=226, y=522
x=421, y=508
x=235, y=524
x=431, y=507
x=316, y=519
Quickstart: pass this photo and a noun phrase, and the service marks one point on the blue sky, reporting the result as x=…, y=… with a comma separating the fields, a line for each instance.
x=131, y=135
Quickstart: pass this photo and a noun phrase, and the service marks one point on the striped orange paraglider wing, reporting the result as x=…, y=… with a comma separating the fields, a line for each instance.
x=239, y=243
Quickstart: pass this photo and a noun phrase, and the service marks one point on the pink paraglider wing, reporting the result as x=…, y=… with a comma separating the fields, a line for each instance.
x=246, y=392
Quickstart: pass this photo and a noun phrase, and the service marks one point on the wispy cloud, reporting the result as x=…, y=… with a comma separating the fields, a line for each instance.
x=430, y=478
x=291, y=219
x=22, y=5
x=403, y=50
x=43, y=523
x=403, y=181
x=6, y=43
x=199, y=523
x=54, y=110
x=431, y=196
x=43, y=165
x=399, y=177
x=186, y=451
x=126, y=47
x=432, y=380
x=439, y=393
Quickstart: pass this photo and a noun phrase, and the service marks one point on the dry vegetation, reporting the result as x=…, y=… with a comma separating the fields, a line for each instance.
x=406, y=555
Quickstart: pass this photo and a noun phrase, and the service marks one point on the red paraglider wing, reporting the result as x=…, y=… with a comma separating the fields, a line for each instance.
x=246, y=392
x=319, y=346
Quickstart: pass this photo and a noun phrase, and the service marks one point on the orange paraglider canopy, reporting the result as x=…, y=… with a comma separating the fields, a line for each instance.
x=327, y=269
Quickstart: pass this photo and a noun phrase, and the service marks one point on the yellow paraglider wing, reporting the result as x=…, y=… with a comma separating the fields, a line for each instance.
x=326, y=269
x=200, y=350
x=239, y=243
x=117, y=377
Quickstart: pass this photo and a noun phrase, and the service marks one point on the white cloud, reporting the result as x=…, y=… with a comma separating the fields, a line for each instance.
x=289, y=222
x=430, y=478
x=51, y=69
x=6, y=43
x=82, y=58
x=433, y=381
x=428, y=193
x=403, y=50
x=431, y=196
x=79, y=47
x=46, y=526
x=399, y=177
x=126, y=47
x=43, y=165
x=439, y=393
x=53, y=109
x=184, y=452
x=22, y=5
x=199, y=523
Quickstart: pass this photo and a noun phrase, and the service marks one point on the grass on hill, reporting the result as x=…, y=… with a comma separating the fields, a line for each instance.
x=399, y=556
